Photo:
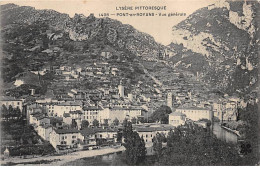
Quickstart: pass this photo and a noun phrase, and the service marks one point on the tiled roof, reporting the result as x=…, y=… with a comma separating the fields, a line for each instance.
x=92, y=108
x=66, y=131
x=88, y=131
x=126, y=108
x=76, y=112
x=45, y=126
x=176, y=113
x=192, y=108
x=70, y=103
x=8, y=98
x=153, y=129
x=66, y=115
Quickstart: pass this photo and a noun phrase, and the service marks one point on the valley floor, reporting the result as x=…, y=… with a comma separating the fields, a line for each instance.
x=60, y=160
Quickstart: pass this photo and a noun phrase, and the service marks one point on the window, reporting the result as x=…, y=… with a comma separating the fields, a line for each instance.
x=63, y=142
x=146, y=135
x=151, y=135
x=73, y=136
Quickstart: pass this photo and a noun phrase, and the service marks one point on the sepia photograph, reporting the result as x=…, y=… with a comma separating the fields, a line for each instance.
x=129, y=82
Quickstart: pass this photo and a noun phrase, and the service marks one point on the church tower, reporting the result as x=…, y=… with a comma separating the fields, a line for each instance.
x=169, y=99
x=121, y=90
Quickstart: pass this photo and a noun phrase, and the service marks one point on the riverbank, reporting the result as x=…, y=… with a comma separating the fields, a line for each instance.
x=233, y=131
x=60, y=160
x=224, y=134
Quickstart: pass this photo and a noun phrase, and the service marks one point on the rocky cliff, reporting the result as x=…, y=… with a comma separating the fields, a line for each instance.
x=81, y=28
x=35, y=38
x=219, y=44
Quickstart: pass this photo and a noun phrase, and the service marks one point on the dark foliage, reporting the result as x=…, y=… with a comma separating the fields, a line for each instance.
x=161, y=114
x=135, y=146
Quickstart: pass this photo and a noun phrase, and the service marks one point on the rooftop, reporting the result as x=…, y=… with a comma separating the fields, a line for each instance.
x=92, y=108
x=8, y=98
x=193, y=108
x=176, y=113
x=88, y=131
x=126, y=108
x=153, y=129
x=70, y=103
x=76, y=112
x=66, y=115
x=66, y=131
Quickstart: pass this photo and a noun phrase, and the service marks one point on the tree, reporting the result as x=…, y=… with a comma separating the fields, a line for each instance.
x=191, y=145
x=119, y=136
x=127, y=130
x=135, y=146
x=208, y=122
x=74, y=124
x=105, y=122
x=141, y=119
x=157, y=145
x=134, y=120
x=95, y=123
x=249, y=133
x=116, y=122
x=84, y=124
x=85, y=46
x=4, y=112
x=161, y=114
x=10, y=111
x=17, y=113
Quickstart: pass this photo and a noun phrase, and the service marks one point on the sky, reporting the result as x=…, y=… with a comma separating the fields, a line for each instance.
x=159, y=27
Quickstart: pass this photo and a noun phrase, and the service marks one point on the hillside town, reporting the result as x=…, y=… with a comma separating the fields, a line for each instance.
x=80, y=119
x=95, y=89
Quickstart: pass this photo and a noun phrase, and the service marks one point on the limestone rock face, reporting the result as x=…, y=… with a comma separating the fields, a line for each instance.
x=219, y=43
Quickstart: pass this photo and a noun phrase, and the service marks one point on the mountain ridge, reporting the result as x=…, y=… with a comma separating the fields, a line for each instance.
x=221, y=43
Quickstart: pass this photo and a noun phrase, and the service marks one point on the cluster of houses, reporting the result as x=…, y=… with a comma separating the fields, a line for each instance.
x=60, y=120
x=52, y=121
x=91, y=70
x=225, y=110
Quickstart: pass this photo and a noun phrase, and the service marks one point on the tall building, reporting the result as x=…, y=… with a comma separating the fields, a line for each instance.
x=169, y=100
x=121, y=90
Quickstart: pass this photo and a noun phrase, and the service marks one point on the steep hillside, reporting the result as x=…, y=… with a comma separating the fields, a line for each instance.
x=219, y=43
x=36, y=38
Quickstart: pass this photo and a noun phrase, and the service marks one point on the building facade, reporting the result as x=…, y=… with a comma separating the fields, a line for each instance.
x=177, y=118
x=9, y=101
x=196, y=113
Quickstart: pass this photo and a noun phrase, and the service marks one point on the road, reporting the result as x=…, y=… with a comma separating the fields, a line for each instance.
x=63, y=159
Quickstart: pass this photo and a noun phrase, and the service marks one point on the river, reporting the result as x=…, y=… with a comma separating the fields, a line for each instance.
x=224, y=134
x=112, y=159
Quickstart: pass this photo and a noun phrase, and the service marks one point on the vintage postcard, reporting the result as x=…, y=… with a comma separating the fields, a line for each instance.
x=129, y=82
